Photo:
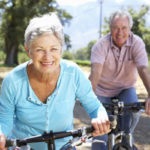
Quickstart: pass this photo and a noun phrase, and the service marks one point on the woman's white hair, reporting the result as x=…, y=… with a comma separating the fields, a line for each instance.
x=48, y=23
x=118, y=14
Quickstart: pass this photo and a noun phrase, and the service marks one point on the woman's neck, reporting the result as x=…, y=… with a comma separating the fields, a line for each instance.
x=43, y=77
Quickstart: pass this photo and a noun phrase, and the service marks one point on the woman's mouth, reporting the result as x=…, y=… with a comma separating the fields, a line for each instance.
x=47, y=63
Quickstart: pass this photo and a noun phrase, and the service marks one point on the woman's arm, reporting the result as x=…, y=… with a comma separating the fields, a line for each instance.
x=7, y=106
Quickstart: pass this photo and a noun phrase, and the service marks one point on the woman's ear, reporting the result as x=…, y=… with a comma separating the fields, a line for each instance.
x=27, y=50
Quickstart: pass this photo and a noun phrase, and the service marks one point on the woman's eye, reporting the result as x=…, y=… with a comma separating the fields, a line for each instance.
x=54, y=49
x=39, y=50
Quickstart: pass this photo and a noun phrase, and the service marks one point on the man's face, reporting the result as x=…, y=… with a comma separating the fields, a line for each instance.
x=120, y=30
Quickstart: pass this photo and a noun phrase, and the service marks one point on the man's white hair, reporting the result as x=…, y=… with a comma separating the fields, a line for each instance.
x=118, y=14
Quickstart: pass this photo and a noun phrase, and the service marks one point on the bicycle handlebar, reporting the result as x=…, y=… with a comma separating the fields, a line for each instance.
x=49, y=136
x=126, y=107
x=74, y=133
x=53, y=135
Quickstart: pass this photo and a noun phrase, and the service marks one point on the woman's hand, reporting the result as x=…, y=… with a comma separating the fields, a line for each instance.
x=2, y=142
x=147, y=106
x=101, y=124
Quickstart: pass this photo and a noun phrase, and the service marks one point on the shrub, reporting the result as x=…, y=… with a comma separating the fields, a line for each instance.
x=67, y=55
x=83, y=62
x=23, y=57
x=2, y=56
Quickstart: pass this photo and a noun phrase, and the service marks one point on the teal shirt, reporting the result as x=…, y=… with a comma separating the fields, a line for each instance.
x=22, y=114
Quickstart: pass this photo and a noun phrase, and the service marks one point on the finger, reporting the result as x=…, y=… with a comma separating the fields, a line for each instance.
x=2, y=141
x=101, y=128
x=105, y=127
x=147, y=107
x=95, y=126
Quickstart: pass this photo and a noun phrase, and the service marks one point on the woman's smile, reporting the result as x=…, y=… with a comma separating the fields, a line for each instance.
x=46, y=53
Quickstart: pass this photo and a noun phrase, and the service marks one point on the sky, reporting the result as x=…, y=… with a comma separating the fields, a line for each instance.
x=84, y=27
x=80, y=2
x=73, y=2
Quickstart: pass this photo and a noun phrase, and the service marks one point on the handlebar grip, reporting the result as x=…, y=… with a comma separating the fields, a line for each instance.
x=113, y=121
x=10, y=143
x=89, y=129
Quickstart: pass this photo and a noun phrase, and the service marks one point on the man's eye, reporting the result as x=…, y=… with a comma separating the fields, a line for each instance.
x=115, y=28
x=124, y=28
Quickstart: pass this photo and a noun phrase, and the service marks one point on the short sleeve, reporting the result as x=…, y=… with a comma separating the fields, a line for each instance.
x=139, y=53
x=98, y=53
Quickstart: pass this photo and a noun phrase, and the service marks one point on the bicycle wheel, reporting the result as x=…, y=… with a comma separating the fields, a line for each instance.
x=119, y=146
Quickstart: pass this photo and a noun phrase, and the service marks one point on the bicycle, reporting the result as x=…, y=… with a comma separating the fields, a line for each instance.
x=79, y=135
x=116, y=136
x=50, y=137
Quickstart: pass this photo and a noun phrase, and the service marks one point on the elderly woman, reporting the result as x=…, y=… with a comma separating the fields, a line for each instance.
x=39, y=95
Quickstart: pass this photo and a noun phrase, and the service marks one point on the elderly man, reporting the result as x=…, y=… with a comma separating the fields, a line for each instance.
x=116, y=59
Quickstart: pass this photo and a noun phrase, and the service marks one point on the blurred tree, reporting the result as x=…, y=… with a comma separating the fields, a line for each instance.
x=89, y=47
x=80, y=54
x=84, y=53
x=15, y=15
x=67, y=55
x=140, y=26
x=67, y=42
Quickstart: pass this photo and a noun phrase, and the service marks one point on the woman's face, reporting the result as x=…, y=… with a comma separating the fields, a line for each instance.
x=45, y=52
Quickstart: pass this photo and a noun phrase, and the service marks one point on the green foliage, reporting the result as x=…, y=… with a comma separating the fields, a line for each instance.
x=82, y=62
x=2, y=56
x=15, y=15
x=80, y=54
x=67, y=55
x=23, y=57
x=139, y=24
x=67, y=42
x=89, y=47
x=106, y=28
x=139, y=19
x=84, y=53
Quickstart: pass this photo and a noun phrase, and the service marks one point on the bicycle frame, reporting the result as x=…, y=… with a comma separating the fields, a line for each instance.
x=113, y=140
x=117, y=109
x=116, y=136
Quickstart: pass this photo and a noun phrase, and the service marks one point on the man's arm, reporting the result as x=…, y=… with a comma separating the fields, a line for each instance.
x=96, y=70
x=145, y=76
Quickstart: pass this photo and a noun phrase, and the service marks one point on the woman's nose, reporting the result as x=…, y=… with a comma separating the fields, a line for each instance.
x=47, y=54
